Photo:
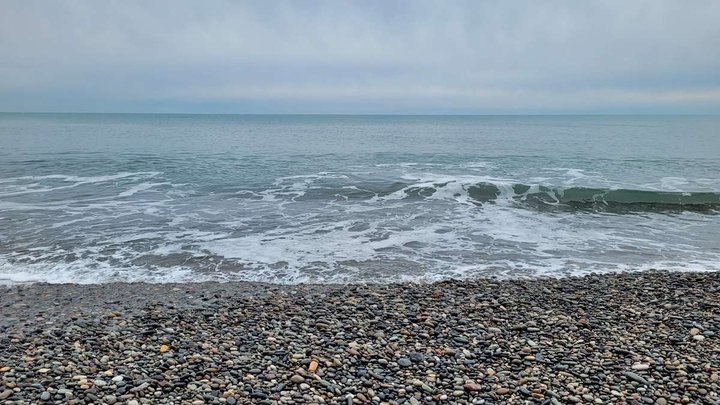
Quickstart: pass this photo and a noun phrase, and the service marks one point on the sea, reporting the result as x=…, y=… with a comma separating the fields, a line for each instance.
x=98, y=198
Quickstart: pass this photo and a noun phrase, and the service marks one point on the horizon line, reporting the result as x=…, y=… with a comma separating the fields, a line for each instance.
x=364, y=114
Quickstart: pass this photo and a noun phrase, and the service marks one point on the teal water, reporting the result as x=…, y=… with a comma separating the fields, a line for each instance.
x=282, y=198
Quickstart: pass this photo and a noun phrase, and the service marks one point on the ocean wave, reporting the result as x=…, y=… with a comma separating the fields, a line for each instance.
x=352, y=226
x=477, y=191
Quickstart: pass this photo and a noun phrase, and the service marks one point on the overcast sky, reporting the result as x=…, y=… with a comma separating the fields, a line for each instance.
x=477, y=57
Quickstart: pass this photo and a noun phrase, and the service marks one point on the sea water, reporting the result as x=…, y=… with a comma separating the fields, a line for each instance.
x=91, y=198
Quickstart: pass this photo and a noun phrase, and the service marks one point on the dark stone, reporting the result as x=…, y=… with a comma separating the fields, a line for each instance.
x=258, y=394
x=416, y=357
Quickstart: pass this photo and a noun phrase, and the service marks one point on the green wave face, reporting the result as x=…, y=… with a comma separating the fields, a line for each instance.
x=598, y=198
x=538, y=197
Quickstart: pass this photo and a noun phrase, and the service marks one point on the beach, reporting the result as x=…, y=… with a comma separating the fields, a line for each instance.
x=359, y=202
x=644, y=337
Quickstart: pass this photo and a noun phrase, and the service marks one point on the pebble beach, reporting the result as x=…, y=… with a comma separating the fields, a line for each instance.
x=635, y=338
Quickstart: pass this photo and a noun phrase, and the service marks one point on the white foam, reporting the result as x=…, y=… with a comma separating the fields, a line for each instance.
x=140, y=188
x=88, y=179
x=274, y=235
x=92, y=272
x=18, y=185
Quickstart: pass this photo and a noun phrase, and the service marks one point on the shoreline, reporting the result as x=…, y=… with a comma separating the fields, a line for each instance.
x=645, y=337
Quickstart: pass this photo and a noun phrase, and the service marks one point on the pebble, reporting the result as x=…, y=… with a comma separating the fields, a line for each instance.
x=472, y=387
x=461, y=339
x=416, y=357
x=636, y=378
x=404, y=362
x=468, y=342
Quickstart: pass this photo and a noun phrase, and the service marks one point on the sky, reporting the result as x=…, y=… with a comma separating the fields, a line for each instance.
x=361, y=57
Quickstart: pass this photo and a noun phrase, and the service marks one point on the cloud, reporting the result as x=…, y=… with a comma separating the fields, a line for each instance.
x=364, y=56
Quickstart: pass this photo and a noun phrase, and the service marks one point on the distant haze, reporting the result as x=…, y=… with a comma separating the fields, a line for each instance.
x=416, y=57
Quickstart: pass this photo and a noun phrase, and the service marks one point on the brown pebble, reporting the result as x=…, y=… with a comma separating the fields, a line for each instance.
x=472, y=387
